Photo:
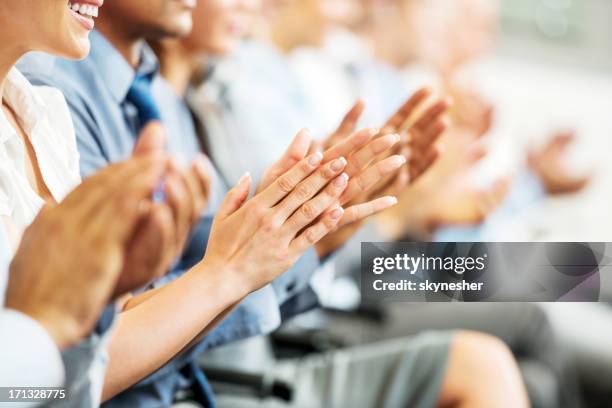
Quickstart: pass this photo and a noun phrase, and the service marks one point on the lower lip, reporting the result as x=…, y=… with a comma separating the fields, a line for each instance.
x=86, y=22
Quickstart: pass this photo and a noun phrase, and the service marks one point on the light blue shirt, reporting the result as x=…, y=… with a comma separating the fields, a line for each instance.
x=106, y=128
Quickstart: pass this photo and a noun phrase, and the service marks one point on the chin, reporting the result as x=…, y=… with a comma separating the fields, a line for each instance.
x=79, y=50
x=182, y=26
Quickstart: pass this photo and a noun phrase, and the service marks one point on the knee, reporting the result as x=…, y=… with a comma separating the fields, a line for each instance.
x=483, y=372
x=484, y=355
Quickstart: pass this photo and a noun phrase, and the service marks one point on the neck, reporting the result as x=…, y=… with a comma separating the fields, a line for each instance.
x=128, y=44
x=178, y=66
x=9, y=55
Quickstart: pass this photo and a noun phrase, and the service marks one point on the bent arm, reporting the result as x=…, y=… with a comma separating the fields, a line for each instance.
x=148, y=335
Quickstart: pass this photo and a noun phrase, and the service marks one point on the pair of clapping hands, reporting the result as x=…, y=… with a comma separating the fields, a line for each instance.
x=109, y=237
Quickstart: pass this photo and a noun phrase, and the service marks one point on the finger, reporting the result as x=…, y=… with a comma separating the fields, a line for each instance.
x=315, y=146
x=312, y=209
x=198, y=184
x=203, y=169
x=433, y=113
x=314, y=234
x=476, y=154
x=309, y=188
x=289, y=180
x=364, y=156
x=422, y=164
x=152, y=139
x=564, y=140
x=371, y=176
x=236, y=197
x=296, y=151
x=155, y=231
x=161, y=217
x=395, y=123
x=431, y=134
x=349, y=145
x=180, y=201
x=348, y=124
x=362, y=211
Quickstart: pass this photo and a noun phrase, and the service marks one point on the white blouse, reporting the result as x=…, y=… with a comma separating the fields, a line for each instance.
x=43, y=114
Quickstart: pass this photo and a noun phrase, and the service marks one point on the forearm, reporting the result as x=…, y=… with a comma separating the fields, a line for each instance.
x=210, y=327
x=148, y=336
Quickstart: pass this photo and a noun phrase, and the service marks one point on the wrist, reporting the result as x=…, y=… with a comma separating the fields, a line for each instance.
x=225, y=278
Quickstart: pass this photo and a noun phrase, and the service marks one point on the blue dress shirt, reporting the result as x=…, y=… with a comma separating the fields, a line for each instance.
x=106, y=125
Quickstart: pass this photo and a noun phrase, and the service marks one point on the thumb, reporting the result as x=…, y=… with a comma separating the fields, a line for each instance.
x=236, y=197
x=152, y=139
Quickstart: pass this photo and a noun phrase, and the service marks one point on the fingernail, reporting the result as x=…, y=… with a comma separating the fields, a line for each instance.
x=244, y=177
x=391, y=201
x=315, y=159
x=337, y=213
x=399, y=160
x=341, y=180
x=338, y=164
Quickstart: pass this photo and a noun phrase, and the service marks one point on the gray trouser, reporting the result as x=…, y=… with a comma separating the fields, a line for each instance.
x=405, y=372
x=524, y=327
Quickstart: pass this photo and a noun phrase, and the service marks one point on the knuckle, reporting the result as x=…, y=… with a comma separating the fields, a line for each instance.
x=269, y=222
x=309, y=210
x=361, y=184
x=329, y=223
x=311, y=236
x=258, y=211
x=285, y=184
x=303, y=192
x=328, y=173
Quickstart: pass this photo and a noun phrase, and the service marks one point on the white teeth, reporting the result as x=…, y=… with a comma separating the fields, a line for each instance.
x=84, y=9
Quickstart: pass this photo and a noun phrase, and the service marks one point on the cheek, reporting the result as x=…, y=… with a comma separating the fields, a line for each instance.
x=73, y=39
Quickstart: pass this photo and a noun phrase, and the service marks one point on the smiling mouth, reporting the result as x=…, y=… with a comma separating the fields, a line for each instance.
x=86, y=10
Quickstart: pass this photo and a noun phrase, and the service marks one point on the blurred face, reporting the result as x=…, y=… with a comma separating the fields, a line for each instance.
x=443, y=37
x=218, y=25
x=150, y=19
x=346, y=13
x=57, y=27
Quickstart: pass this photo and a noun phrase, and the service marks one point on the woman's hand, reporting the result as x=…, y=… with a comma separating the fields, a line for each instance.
x=255, y=241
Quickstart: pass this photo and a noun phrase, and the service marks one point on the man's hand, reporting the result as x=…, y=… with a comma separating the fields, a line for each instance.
x=549, y=164
x=70, y=258
x=471, y=112
x=161, y=235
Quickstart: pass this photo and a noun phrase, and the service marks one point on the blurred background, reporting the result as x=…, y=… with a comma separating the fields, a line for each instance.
x=556, y=58
x=525, y=159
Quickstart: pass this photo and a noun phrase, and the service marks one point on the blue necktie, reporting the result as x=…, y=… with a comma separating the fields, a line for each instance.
x=141, y=97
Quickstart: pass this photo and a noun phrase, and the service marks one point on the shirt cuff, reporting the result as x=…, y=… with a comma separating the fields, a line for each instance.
x=30, y=357
x=297, y=278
